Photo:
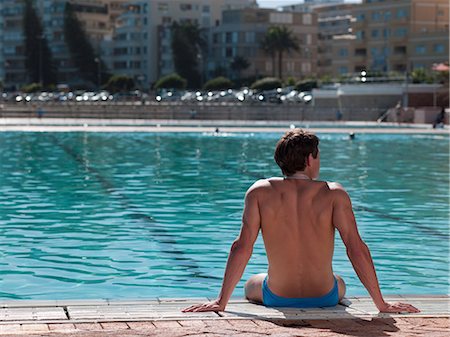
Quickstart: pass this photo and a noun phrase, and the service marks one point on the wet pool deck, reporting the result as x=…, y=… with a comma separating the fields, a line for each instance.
x=356, y=316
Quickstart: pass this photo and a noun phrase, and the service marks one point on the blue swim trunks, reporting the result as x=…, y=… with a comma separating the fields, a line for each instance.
x=271, y=300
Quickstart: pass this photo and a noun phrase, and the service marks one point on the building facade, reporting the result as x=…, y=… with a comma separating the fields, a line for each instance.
x=141, y=45
x=241, y=34
x=395, y=36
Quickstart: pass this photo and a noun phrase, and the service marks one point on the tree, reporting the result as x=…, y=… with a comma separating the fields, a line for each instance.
x=172, y=81
x=187, y=44
x=119, y=83
x=267, y=83
x=90, y=66
x=277, y=41
x=38, y=57
x=239, y=64
x=218, y=83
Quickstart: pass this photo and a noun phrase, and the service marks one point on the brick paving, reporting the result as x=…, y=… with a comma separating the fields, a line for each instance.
x=374, y=327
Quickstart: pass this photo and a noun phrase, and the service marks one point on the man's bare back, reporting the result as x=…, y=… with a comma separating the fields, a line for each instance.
x=298, y=235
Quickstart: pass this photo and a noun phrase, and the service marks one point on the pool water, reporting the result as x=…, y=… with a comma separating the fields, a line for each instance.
x=141, y=215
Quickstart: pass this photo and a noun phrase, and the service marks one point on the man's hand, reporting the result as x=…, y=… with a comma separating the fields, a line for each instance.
x=398, y=308
x=208, y=306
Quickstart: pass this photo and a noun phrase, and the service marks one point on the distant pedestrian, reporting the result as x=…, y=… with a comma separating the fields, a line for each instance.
x=439, y=121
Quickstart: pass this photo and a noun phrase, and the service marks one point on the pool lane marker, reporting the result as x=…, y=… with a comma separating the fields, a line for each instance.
x=162, y=237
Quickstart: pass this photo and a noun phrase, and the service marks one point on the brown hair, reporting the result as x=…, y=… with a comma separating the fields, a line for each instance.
x=293, y=149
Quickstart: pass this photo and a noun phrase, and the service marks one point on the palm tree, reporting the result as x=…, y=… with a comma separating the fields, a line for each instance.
x=188, y=44
x=279, y=39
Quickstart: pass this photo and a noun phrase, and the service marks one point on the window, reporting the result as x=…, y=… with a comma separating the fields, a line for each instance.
x=186, y=7
x=343, y=52
x=386, y=32
x=401, y=32
x=229, y=52
x=374, y=33
x=360, y=52
x=387, y=15
x=421, y=49
x=401, y=13
x=306, y=67
x=307, y=19
x=376, y=16
x=438, y=48
x=250, y=37
x=308, y=39
x=205, y=9
x=227, y=37
x=400, y=50
x=360, y=35
x=343, y=70
x=163, y=7
x=234, y=37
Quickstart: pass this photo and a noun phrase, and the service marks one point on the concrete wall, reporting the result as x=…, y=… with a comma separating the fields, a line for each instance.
x=191, y=111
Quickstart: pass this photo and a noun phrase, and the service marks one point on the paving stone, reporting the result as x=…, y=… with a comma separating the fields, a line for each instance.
x=9, y=328
x=192, y=324
x=61, y=327
x=88, y=326
x=141, y=326
x=32, y=313
x=30, y=328
x=166, y=324
x=114, y=326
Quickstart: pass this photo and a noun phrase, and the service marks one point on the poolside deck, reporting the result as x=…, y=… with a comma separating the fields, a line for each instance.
x=226, y=126
x=356, y=316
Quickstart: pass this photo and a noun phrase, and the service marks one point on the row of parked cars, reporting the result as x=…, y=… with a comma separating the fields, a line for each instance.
x=280, y=95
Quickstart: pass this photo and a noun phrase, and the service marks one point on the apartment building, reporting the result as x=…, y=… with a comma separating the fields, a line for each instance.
x=395, y=36
x=141, y=46
x=242, y=32
x=12, y=51
x=334, y=23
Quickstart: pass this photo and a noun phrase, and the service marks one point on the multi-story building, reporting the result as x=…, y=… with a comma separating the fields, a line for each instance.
x=12, y=52
x=242, y=32
x=142, y=41
x=396, y=36
x=334, y=22
x=307, y=6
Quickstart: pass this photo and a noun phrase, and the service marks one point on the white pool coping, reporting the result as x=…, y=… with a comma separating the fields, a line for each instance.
x=85, y=311
x=207, y=126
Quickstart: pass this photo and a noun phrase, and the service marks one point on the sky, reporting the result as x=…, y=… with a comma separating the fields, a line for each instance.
x=279, y=3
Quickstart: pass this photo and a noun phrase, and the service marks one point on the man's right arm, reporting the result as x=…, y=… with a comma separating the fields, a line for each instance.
x=358, y=252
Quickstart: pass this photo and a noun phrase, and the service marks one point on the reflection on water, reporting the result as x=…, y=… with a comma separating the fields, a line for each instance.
x=85, y=215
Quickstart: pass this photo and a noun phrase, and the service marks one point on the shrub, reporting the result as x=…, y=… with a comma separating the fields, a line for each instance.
x=119, y=83
x=218, y=83
x=172, y=81
x=290, y=81
x=32, y=87
x=267, y=83
x=306, y=85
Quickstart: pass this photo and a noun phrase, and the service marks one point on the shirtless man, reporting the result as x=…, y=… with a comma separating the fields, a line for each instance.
x=298, y=216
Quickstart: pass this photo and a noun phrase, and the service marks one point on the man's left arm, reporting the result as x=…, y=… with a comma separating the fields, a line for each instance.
x=240, y=252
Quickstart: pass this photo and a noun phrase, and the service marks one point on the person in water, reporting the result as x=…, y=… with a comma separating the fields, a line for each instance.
x=298, y=216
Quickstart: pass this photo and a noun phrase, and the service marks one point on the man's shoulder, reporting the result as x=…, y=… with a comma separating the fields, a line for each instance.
x=263, y=184
x=337, y=191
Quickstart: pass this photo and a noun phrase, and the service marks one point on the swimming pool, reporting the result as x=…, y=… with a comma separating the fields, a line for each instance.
x=141, y=215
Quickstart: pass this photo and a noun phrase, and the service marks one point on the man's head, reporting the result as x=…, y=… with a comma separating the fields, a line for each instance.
x=296, y=151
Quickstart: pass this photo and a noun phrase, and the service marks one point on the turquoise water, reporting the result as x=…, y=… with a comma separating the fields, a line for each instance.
x=136, y=215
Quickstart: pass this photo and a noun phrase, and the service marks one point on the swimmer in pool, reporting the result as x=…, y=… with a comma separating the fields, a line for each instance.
x=298, y=216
